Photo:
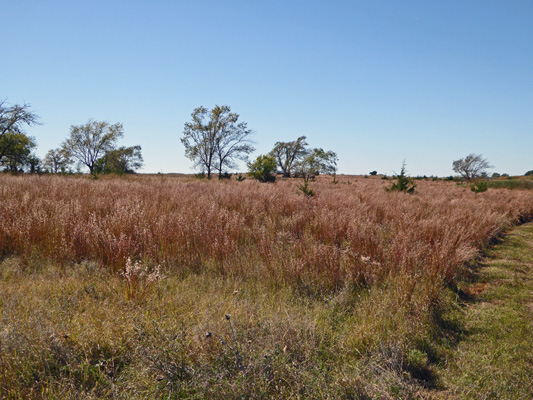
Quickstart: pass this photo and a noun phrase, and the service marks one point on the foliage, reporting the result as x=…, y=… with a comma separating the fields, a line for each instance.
x=240, y=178
x=373, y=173
x=16, y=150
x=263, y=168
x=57, y=161
x=529, y=173
x=479, y=187
x=214, y=139
x=306, y=190
x=495, y=175
x=524, y=184
x=288, y=154
x=15, y=145
x=316, y=162
x=472, y=166
x=403, y=183
x=89, y=142
x=124, y=160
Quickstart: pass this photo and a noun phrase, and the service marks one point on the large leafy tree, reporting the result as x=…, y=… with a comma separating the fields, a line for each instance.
x=288, y=154
x=472, y=166
x=124, y=160
x=215, y=139
x=15, y=144
x=89, y=142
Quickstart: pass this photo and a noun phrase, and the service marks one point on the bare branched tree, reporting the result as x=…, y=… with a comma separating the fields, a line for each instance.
x=472, y=166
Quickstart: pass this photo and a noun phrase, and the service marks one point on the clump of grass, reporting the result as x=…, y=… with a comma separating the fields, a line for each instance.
x=139, y=279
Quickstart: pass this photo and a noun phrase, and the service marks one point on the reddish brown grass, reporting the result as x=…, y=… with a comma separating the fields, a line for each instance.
x=353, y=232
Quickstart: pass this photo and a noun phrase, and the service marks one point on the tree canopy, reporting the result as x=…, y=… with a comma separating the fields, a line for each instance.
x=15, y=144
x=316, y=162
x=214, y=139
x=472, y=166
x=89, y=142
x=287, y=154
x=124, y=160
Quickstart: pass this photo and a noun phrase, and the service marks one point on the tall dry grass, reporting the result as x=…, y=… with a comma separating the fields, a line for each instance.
x=352, y=232
x=337, y=296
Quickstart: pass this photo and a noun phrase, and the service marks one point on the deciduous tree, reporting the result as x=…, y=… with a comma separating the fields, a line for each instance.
x=472, y=166
x=15, y=145
x=214, y=139
x=124, y=160
x=89, y=142
x=56, y=161
x=287, y=154
x=316, y=162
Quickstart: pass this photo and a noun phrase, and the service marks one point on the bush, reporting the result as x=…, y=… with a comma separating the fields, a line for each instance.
x=263, y=169
x=529, y=173
x=306, y=190
x=403, y=183
x=479, y=187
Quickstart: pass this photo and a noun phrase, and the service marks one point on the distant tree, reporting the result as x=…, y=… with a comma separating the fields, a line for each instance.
x=15, y=145
x=124, y=160
x=373, y=173
x=287, y=154
x=17, y=148
x=403, y=182
x=529, y=173
x=495, y=175
x=263, y=168
x=33, y=164
x=214, y=139
x=316, y=162
x=89, y=142
x=56, y=161
x=472, y=166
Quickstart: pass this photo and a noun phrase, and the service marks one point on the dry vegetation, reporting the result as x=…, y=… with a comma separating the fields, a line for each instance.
x=119, y=288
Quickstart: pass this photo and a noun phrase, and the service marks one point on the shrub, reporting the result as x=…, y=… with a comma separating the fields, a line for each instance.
x=403, y=183
x=306, y=190
x=479, y=187
x=529, y=173
x=263, y=168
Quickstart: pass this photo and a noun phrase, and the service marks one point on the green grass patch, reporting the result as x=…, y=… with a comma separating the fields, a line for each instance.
x=494, y=359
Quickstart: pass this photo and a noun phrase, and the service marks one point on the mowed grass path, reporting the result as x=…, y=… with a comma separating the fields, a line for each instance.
x=495, y=359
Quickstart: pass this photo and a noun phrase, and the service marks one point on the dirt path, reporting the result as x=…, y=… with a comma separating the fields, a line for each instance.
x=495, y=358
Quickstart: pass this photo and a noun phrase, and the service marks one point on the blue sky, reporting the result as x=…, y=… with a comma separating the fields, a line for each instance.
x=375, y=81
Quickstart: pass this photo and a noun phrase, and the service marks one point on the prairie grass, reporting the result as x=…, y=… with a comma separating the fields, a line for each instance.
x=342, y=295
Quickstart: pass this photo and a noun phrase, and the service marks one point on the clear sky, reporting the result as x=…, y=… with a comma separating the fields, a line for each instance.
x=375, y=81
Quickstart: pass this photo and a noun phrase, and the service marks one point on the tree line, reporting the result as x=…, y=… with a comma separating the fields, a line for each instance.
x=214, y=140
x=93, y=145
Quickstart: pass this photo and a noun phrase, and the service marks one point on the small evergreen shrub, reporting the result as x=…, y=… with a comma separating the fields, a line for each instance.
x=403, y=183
x=479, y=187
x=306, y=190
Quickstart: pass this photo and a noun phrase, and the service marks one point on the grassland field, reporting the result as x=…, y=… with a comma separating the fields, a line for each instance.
x=173, y=287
